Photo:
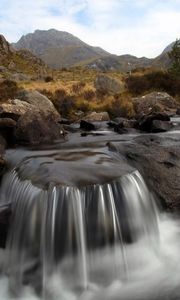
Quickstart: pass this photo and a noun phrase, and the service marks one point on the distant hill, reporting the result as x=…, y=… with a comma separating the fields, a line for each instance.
x=163, y=59
x=122, y=63
x=21, y=61
x=58, y=48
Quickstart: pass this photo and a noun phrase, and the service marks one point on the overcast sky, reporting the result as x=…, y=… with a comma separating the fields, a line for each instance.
x=138, y=27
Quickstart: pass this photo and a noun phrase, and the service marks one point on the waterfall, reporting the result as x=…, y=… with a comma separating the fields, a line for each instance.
x=71, y=230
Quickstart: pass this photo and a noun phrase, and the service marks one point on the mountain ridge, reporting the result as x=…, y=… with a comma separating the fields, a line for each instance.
x=60, y=49
x=54, y=46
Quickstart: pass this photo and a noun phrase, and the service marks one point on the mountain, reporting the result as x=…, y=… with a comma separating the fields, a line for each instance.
x=58, y=48
x=122, y=63
x=125, y=63
x=163, y=59
x=19, y=61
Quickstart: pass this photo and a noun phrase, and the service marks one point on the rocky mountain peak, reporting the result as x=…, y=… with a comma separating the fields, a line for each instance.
x=5, y=47
x=58, y=48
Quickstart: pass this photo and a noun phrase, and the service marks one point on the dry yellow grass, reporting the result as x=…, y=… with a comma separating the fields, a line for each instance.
x=74, y=90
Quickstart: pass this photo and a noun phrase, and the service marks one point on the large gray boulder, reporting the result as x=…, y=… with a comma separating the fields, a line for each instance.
x=39, y=101
x=157, y=158
x=15, y=108
x=107, y=85
x=155, y=102
x=37, y=128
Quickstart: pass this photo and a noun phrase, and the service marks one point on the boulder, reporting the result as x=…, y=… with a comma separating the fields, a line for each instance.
x=147, y=123
x=37, y=128
x=107, y=85
x=19, y=77
x=121, y=125
x=39, y=101
x=7, y=126
x=7, y=123
x=87, y=125
x=155, y=102
x=65, y=121
x=119, y=129
x=5, y=214
x=14, y=109
x=112, y=124
x=178, y=111
x=97, y=117
x=160, y=126
x=126, y=123
x=2, y=150
x=158, y=159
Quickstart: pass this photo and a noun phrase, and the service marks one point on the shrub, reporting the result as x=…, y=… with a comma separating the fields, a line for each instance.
x=82, y=105
x=64, y=103
x=157, y=80
x=60, y=94
x=48, y=79
x=8, y=90
x=78, y=86
x=46, y=93
x=137, y=85
x=89, y=94
x=122, y=106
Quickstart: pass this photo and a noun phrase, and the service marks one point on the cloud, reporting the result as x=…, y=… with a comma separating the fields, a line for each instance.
x=139, y=27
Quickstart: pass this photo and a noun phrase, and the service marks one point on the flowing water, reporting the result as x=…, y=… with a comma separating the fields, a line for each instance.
x=85, y=226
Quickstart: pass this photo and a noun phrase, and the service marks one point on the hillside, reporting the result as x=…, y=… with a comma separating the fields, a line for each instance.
x=58, y=48
x=123, y=63
x=23, y=62
x=163, y=59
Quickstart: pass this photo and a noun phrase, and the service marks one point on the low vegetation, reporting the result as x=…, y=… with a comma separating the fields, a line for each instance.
x=8, y=90
x=163, y=81
x=73, y=90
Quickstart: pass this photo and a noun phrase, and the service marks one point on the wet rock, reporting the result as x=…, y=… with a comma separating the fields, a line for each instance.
x=120, y=129
x=2, y=145
x=121, y=125
x=178, y=111
x=158, y=160
x=70, y=128
x=160, y=126
x=36, y=128
x=147, y=123
x=112, y=124
x=97, y=117
x=127, y=123
x=107, y=85
x=64, y=121
x=5, y=213
x=7, y=127
x=87, y=125
x=2, y=159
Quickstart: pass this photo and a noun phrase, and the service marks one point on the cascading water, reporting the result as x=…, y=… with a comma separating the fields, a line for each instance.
x=85, y=241
x=66, y=229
